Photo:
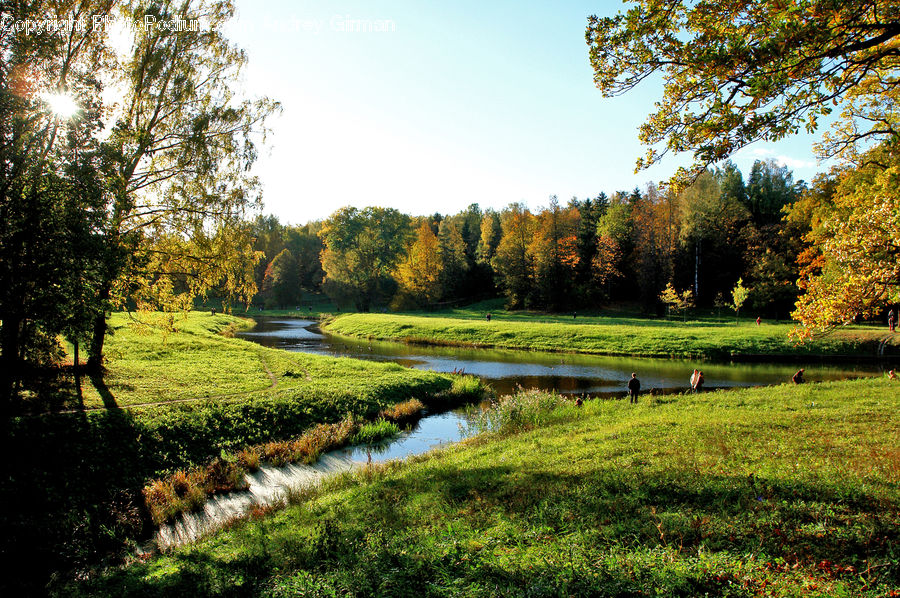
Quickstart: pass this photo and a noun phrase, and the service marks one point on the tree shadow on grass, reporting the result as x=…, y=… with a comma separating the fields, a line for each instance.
x=507, y=531
x=47, y=390
x=109, y=401
x=72, y=496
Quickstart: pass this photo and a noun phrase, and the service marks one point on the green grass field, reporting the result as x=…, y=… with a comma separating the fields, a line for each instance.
x=609, y=335
x=169, y=401
x=780, y=491
x=147, y=365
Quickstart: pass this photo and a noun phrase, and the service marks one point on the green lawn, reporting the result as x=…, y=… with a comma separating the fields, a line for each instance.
x=168, y=401
x=200, y=360
x=609, y=335
x=780, y=491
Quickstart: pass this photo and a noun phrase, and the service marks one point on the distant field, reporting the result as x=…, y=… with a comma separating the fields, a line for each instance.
x=779, y=491
x=608, y=335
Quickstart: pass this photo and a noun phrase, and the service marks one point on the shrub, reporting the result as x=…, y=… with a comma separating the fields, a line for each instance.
x=402, y=412
x=525, y=410
x=375, y=432
x=248, y=458
x=224, y=476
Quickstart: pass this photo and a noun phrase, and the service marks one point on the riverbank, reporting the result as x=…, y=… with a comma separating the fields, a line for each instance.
x=170, y=400
x=617, y=336
x=788, y=490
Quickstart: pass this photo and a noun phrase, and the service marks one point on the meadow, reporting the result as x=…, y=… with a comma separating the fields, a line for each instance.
x=176, y=397
x=779, y=491
x=611, y=335
x=156, y=358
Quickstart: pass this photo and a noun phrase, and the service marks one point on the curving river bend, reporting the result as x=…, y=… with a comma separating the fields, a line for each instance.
x=504, y=370
x=563, y=372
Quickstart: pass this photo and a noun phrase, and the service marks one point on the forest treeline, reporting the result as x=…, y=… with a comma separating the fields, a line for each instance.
x=147, y=200
x=588, y=253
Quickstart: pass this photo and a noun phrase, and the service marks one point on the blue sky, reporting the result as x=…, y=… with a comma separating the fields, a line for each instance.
x=453, y=103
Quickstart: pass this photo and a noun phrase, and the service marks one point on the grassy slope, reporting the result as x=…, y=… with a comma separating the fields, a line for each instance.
x=194, y=392
x=147, y=366
x=605, y=335
x=774, y=491
x=72, y=493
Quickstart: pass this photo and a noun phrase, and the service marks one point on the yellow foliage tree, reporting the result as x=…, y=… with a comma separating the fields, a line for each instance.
x=857, y=271
x=419, y=273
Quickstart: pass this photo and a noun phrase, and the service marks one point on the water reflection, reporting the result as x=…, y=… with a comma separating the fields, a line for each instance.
x=565, y=373
x=504, y=370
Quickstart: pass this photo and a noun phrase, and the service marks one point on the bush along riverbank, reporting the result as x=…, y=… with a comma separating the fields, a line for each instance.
x=779, y=491
x=73, y=493
x=616, y=336
x=188, y=490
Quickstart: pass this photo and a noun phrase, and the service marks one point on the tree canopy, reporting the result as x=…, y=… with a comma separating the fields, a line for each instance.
x=362, y=249
x=141, y=198
x=855, y=268
x=747, y=70
x=51, y=184
x=179, y=157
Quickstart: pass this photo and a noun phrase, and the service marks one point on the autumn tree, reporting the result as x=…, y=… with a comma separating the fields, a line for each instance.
x=419, y=272
x=614, y=245
x=179, y=157
x=748, y=70
x=605, y=265
x=675, y=301
x=490, y=237
x=739, y=296
x=512, y=261
x=855, y=270
x=454, y=259
x=554, y=255
x=281, y=283
x=268, y=239
x=656, y=220
x=711, y=222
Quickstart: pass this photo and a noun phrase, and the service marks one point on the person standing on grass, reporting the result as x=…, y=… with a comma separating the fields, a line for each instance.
x=700, y=381
x=634, y=387
x=891, y=320
x=798, y=377
x=695, y=377
x=758, y=320
x=892, y=375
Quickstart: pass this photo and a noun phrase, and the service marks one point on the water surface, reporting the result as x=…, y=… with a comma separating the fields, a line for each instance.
x=566, y=373
x=502, y=369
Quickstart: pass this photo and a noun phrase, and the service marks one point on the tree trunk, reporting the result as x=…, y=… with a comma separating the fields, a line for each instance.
x=75, y=370
x=95, y=352
x=10, y=338
x=697, y=271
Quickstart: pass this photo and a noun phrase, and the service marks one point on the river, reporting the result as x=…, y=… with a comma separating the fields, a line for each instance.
x=566, y=373
x=504, y=370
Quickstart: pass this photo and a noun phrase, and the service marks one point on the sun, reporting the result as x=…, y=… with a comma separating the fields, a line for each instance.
x=62, y=105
